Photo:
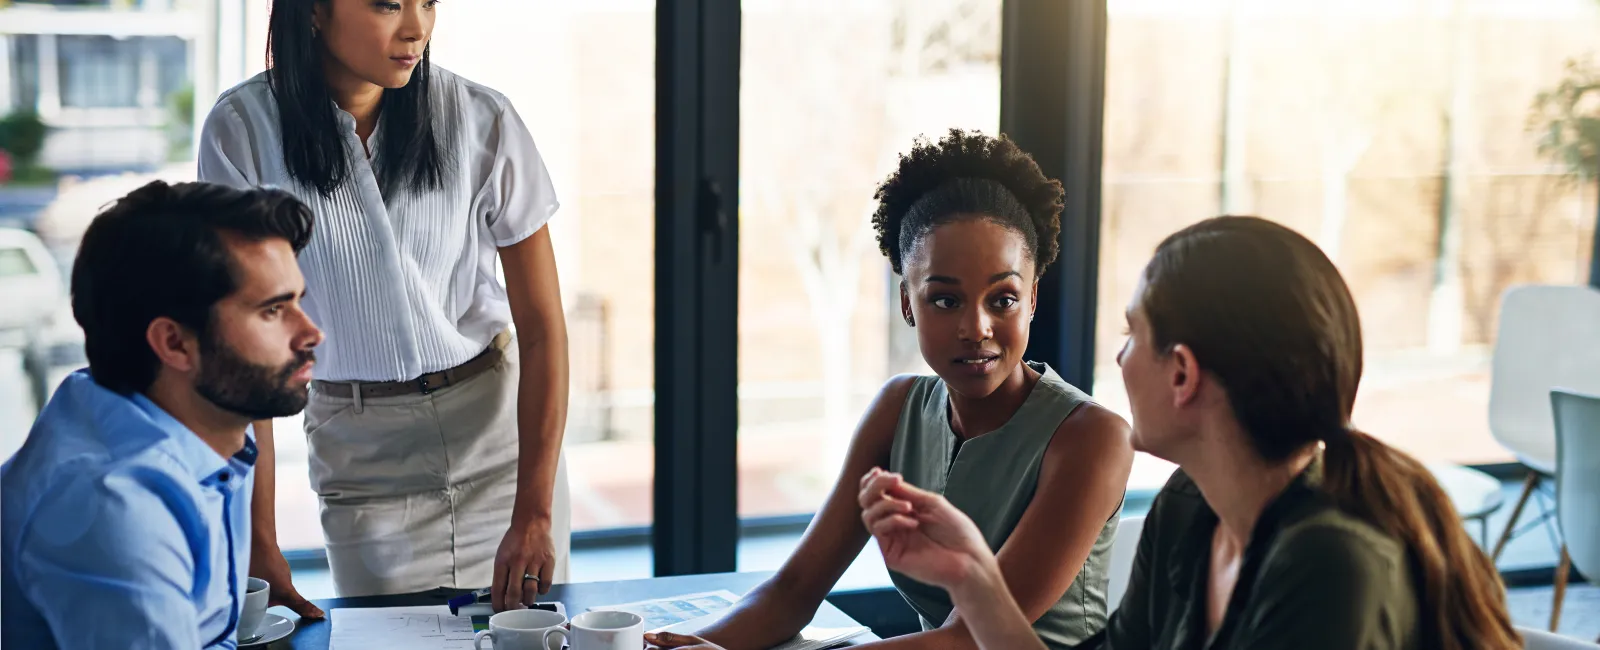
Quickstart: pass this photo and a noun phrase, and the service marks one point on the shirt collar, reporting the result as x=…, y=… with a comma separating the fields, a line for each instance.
x=1197, y=540
x=194, y=454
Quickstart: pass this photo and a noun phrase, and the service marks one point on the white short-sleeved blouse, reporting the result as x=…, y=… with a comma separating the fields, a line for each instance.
x=403, y=285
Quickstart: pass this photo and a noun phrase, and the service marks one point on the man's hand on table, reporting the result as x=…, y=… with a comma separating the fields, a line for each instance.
x=267, y=563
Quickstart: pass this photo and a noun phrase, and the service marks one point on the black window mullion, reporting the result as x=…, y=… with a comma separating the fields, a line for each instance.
x=1052, y=98
x=695, y=526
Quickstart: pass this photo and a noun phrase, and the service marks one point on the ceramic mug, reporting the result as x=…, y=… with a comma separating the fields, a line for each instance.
x=602, y=631
x=255, y=607
x=520, y=629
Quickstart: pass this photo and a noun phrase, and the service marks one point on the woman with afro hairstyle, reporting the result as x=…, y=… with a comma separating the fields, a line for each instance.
x=970, y=224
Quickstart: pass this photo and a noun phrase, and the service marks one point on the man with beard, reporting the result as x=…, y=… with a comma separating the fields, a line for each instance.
x=125, y=517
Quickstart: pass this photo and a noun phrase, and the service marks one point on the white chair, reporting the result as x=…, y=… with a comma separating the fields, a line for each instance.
x=1123, y=549
x=1539, y=640
x=1546, y=338
x=1577, y=422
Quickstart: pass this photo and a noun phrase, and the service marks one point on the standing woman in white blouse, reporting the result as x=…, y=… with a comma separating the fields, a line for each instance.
x=434, y=436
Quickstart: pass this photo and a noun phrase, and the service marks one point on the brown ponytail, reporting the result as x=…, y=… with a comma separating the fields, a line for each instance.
x=1267, y=313
x=1463, y=602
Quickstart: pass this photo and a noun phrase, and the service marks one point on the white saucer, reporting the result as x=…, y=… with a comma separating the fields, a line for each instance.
x=272, y=628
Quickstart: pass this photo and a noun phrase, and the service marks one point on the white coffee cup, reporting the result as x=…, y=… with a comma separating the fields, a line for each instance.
x=255, y=607
x=602, y=631
x=520, y=629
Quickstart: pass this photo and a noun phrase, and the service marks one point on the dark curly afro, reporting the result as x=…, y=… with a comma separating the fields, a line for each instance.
x=964, y=176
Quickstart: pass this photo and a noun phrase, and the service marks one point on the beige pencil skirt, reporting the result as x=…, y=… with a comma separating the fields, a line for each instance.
x=417, y=490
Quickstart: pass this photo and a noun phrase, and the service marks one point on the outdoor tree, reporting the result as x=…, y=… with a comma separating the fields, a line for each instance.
x=841, y=81
x=1348, y=112
x=807, y=163
x=22, y=134
x=1447, y=296
x=1233, y=190
x=1567, y=117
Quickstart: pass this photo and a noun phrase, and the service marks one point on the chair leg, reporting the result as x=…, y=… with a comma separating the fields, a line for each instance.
x=1528, y=487
x=1561, y=588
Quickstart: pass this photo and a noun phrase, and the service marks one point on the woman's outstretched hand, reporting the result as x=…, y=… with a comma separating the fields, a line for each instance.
x=684, y=641
x=920, y=533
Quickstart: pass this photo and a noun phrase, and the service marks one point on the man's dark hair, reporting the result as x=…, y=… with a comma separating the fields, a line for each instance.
x=159, y=252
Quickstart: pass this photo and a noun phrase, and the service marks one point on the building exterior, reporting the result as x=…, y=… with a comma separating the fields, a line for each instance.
x=115, y=80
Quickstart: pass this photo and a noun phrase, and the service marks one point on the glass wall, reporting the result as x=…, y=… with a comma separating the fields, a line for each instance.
x=831, y=93
x=581, y=75
x=1403, y=137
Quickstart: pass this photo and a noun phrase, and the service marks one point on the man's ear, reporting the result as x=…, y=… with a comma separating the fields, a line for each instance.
x=175, y=345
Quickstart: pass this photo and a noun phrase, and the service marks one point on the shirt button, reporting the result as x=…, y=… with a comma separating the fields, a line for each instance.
x=223, y=476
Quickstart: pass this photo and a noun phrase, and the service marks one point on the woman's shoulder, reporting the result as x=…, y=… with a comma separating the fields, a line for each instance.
x=476, y=98
x=247, y=105
x=904, y=389
x=1176, y=504
x=1329, y=534
x=258, y=86
x=1077, y=414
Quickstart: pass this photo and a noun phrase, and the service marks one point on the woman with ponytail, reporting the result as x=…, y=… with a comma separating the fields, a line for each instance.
x=1283, y=527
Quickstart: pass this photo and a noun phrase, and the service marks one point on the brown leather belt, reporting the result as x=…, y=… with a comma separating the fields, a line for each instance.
x=425, y=384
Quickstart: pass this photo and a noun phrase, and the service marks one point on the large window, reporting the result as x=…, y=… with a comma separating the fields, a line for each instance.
x=831, y=93
x=1401, y=136
x=581, y=75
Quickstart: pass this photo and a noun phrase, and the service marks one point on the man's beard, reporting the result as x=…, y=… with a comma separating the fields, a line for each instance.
x=255, y=391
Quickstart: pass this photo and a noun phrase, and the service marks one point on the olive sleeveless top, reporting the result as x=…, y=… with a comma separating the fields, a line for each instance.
x=992, y=479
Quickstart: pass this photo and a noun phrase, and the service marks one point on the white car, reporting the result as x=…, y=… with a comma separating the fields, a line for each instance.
x=30, y=285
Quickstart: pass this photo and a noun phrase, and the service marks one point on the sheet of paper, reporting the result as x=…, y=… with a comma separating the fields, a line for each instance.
x=811, y=638
x=660, y=613
x=399, y=628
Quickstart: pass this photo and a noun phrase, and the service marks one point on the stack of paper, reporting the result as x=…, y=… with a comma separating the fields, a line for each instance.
x=661, y=613
x=400, y=628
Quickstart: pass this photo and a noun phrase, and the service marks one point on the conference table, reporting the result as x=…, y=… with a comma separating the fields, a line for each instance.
x=578, y=597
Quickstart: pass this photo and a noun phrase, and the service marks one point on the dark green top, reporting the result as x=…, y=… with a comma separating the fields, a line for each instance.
x=1312, y=578
x=992, y=479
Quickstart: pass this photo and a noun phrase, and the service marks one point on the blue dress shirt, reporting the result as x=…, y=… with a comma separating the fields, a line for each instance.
x=121, y=528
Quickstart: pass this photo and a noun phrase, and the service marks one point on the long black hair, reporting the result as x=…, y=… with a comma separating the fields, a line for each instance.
x=413, y=154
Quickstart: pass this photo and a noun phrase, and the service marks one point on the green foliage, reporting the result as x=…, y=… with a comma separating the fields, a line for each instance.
x=33, y=175
x=22, y=135
x=181, y=103
x=1567, y=119
x=180, y=123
